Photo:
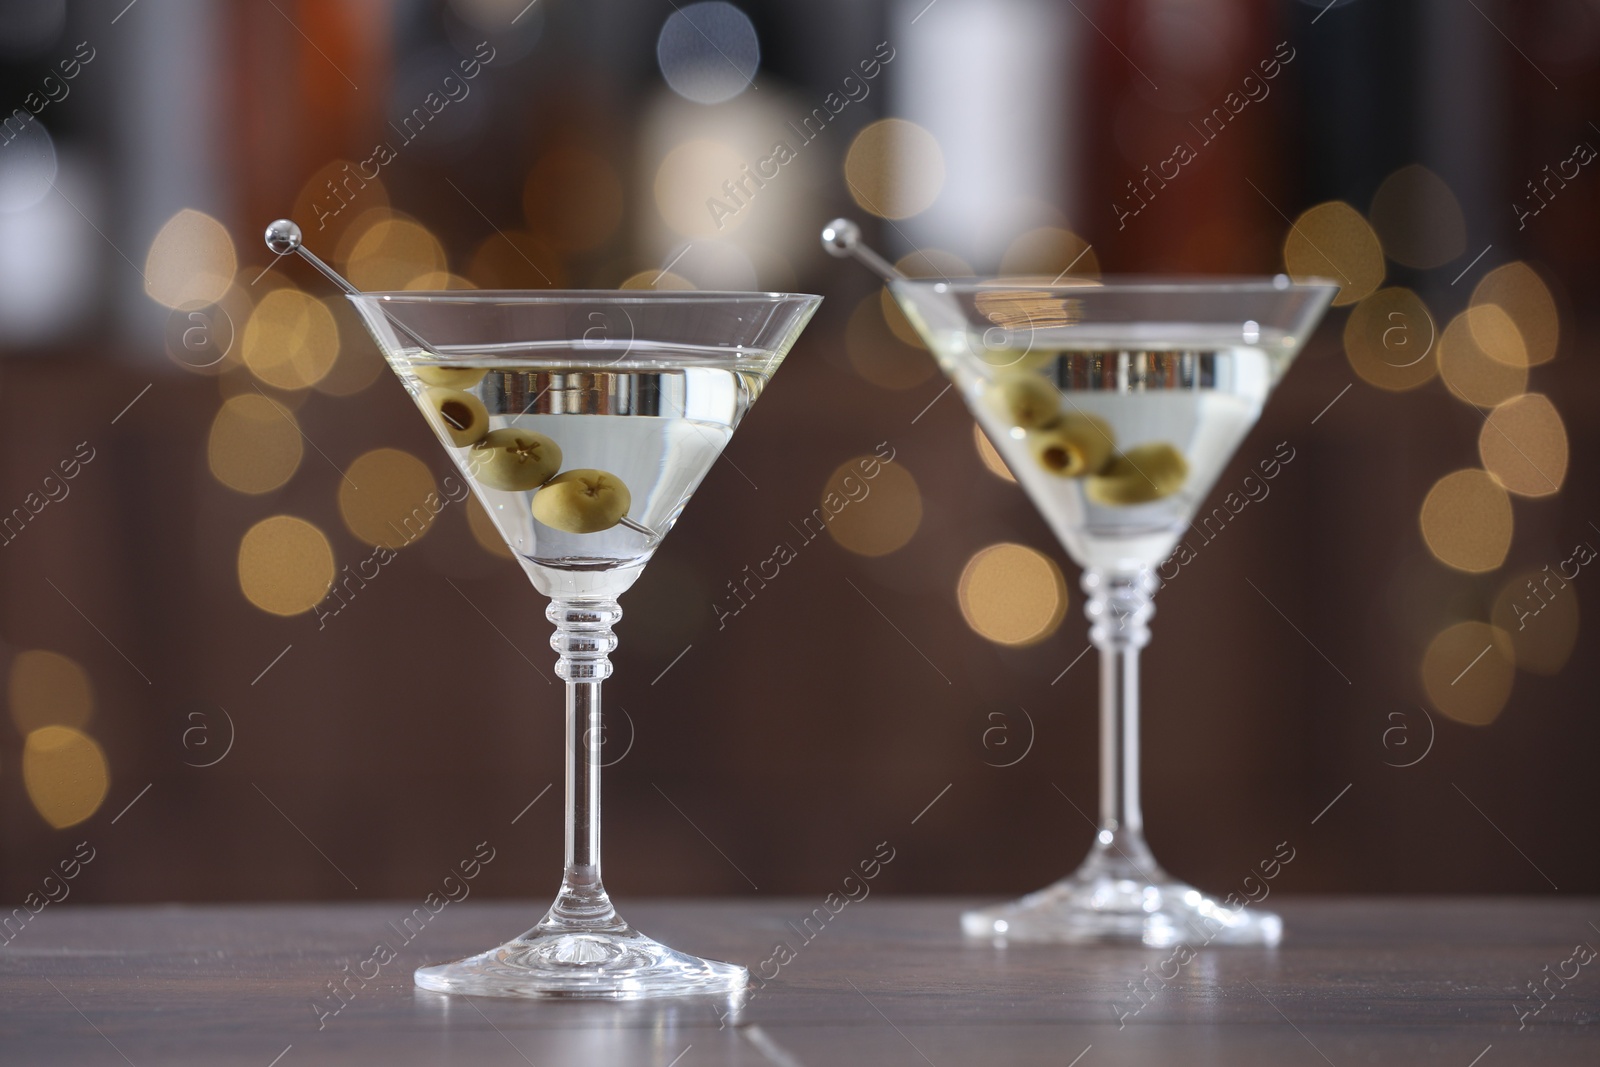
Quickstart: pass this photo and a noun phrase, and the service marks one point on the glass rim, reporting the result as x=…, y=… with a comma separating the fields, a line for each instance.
x=590, y=296
x=1128, y=283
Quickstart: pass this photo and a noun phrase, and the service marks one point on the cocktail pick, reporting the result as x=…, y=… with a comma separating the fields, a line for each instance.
x=842, y=238
x=284, y=237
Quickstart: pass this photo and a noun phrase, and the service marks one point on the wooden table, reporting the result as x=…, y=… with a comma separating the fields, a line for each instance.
x=888, y=981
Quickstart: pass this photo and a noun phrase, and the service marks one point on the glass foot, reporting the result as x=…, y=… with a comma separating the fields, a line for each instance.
x=618, y=963
x=1112, y=899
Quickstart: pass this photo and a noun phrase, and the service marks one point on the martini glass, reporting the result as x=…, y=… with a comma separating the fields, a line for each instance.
x=1116, y=406
x=584, y=421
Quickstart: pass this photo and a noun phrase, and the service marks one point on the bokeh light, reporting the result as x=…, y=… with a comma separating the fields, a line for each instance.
x=990, y=456
x=878, y=355
x=28, y=167
x=285, y=565
x=1471, y=373
x=484, y=530
x=1516, y=289
x=516, y=259
x=1523, y=443
x=871, y=516
x=291, y=340
x=65, y=773
x=1466, y=521
x=1012, y=594
x=923, y=263
x=894, y=169
x=334, y=198
x=708, y=52
x=689, y=176
x=1332, y=241
x=48, y=689
x=254, y=445
x=1418, y=218
x=391, y=253
x=358, y=365
x=1050, y=252
x=1468, y=671
x=191, y=261
x=1391, y=341
x=384, y=497
x=1539, y=611
x=574, y=198
x=655, y=278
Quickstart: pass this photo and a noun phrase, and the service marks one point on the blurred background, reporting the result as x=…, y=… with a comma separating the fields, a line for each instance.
x=1387, y=662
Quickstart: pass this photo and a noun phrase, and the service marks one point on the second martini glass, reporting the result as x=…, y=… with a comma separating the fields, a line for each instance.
x=583, y=420
x=1116, y=406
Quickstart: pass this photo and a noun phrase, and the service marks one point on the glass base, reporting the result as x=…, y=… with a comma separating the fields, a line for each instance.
x=617, y=963
x=1113, y=899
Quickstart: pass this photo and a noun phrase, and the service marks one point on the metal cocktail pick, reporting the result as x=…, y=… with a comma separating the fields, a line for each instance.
x=842, y=238
x=284, y=237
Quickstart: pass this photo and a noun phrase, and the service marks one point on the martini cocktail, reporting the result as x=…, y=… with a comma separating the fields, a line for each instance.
x=1116, y=406
x=584, y=421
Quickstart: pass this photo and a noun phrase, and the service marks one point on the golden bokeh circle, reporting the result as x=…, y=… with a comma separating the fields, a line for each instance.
x=1517, y=289
x=291, y=340
x=191, y=261
x=334, y=198
x=878, y=355
x=1012, y=594
x=870, y=516
x=1471, y=373
x=923, y=263
x=516, y=259
x=48, y=689
x=385, y=495
x=1391, y=341
x=392, y=253
x=285, y=565
x=574, y=197
x=1466, y=521
x=894, y=168
x=1050, y=252
x=990, y=456
x=254, y=445
x=485, y=532
x=1523, y=443
x=357, y=366
x=1468, y=671
x=689, y=179
x=1539, y=611
x=1418, y=219
x=1333, y=242
x=65, y=773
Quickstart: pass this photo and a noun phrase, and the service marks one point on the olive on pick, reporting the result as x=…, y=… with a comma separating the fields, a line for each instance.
x=461, y=416
x=1075, y=446
x=1139, y=475
x=514, y=460
x=582, y=501
x=1027, y=400
x=448, y=376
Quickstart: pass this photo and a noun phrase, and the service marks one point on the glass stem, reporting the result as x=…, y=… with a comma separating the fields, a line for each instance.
x=1119, y=607
x=584, y=641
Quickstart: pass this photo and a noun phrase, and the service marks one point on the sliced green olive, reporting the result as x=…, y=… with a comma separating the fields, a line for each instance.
x=448, y=376
x=582, y=501
x=1077, y=445
x=460, y=416
x=514, y=460
x=1027, y=400
x=1139, y=475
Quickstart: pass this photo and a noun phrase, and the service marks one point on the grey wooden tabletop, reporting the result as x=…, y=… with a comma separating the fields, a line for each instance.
x=887, y=981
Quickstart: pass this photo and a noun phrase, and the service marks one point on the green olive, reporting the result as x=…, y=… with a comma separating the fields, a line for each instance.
x=1027, y=400
x=514, y=460
x=1139, y=475
x=1076, y=446
x=448, y=376
x=582, y=501
x=458, y=415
